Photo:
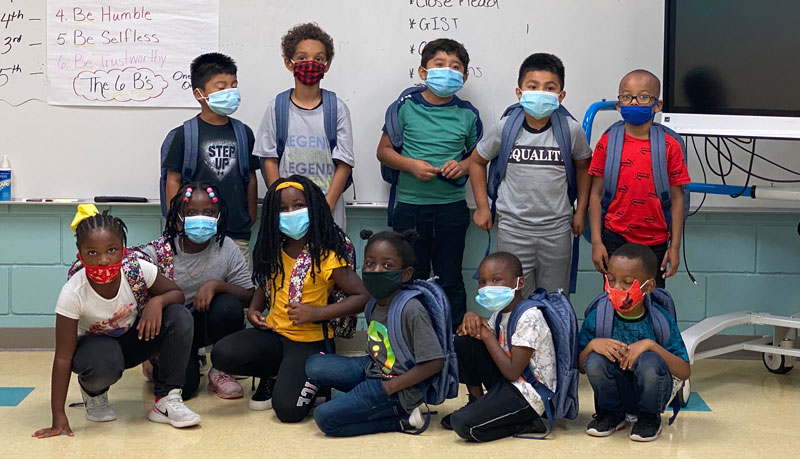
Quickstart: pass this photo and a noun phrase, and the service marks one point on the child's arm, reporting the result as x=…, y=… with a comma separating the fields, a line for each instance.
x=677, y=366
x=584, y=188
x=599, y=253
x=456, y=169
x=421, y=170
x=256, y=309
x=347, y=280
x=66, y=339
x=252, y=198
x=673, y=256
x=163, y=293
x=204, y=295
x=269, y=167
x=420, y=372
x=477, y=172
x=340, y=175
x=172, y=185
x=510, y=367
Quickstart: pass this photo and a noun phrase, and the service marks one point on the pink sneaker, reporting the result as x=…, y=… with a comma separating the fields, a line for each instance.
x=224, y=385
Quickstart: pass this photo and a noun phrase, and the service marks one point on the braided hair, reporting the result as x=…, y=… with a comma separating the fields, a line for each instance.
x=177, y=205
x=100, y=221
x=403, y=243
x=323, y=235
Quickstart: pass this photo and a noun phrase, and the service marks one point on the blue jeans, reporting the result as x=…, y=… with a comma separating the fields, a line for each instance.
x=644, y=389
x=365, y=408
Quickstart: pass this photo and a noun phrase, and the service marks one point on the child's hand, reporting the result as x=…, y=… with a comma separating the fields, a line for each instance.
x=301, y=313
x=203, y=297
x=472, y=325
x=672, y=259
x=609, y=348
x=257, y=320
x=599, y=257
x=423, y=171
x=634, y=351
x=453, y=169
x=60, y=425
x=150, y=323
x=578, y=223
x=483, y=218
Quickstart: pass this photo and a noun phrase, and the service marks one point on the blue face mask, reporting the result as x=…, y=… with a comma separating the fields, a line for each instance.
x=539, y=104
x=444, y=82
x=199, y=228
x=495, y=298
x=224, y=102
x=637, y=115
x=294, y=224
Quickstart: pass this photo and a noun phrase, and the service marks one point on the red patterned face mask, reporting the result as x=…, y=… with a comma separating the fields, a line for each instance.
x=103, y=274
x=624, y=300
x=309, y=72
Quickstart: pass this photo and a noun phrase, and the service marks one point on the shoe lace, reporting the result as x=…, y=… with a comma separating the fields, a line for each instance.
x=175, y=404
x=265, y=386
x=100, y=401
x=224, y=377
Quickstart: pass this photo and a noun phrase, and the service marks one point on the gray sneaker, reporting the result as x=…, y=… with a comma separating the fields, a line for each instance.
x=97, y=408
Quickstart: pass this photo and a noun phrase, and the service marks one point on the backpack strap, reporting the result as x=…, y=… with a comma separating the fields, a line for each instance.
x=616, y=138
x=242, y=150
x=658, y=156
x=133, y=273
x=394, y=327
x=165, y=147
x=191, y=148
x=282, y=102
x=329, y=111
x=661, y=326
x=604, y=320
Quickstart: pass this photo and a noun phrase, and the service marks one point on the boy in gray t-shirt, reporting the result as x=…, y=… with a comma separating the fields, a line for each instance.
x=536, y=218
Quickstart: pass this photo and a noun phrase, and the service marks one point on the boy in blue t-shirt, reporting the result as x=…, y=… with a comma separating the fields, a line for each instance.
x=630, y=372
x=439, y=129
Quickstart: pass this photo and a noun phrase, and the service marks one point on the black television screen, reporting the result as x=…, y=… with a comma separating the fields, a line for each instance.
x=732, y=57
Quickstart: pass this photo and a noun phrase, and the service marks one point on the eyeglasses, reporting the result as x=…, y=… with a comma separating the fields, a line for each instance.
x=642, y=99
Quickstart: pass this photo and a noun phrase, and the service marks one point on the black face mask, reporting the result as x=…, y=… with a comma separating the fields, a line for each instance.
x=382, y=284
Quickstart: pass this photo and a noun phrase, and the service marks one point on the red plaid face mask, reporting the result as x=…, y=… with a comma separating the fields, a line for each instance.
x=103, y=274
x=309, y=72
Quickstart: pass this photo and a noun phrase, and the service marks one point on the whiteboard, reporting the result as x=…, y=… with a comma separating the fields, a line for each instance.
x=62, y=151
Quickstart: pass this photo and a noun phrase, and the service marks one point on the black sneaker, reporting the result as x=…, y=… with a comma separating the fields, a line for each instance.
x=262, y=398
x=537, y=426
x=647, y=427
x=604, y=424
x=446, y=420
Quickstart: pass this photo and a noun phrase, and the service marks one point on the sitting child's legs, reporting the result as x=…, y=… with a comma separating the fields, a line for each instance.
x=98, y=362
x=294, y=395
x=476, y=369
x=653, y=383
x=501, y=412
x=364, y=410
x=336, y=371
x=609, y=383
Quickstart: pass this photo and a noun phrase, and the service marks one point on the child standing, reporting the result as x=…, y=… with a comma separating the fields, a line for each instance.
x=438, y=132
x=512, y=405
x=533, y=199
x=299, y=257
x=306, y=147
x=113, y=315
x=383, y=395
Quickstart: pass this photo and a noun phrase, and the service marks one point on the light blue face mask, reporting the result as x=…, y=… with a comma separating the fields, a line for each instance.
x=294, y=224
x=539, y=104
x=200, y=228
x=444, y=82
x=495, y=298
x=224, y=102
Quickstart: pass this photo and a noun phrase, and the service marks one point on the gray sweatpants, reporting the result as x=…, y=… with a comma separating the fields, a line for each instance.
x=545, y=259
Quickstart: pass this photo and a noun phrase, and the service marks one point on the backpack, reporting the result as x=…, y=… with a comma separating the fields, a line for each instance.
x=329, y=116
x=515, y=117
x=560, y=317
x=443, y=385
x=191, y=150
x=395, y=134
x=658, y=152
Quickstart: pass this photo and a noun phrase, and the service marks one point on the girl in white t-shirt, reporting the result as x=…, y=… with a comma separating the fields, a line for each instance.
x=114, y=314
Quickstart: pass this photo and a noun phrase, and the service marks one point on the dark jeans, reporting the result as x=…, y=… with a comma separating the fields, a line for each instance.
x=263, y=354
x=502, y=411
x=365, y=408
x=442, y=232
x=645, y=389
x=613, y=241
x=99, y=360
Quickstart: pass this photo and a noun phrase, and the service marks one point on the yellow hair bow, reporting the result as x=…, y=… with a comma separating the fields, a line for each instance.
x=84, y=211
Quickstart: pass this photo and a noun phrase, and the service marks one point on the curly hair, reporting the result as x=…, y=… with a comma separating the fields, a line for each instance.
x=307, y=31
x=177, y=204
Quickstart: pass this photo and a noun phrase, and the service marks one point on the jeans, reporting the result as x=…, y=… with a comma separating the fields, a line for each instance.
x=442, y=230
x=613, y=241
x=644, y=389
x=365, y=408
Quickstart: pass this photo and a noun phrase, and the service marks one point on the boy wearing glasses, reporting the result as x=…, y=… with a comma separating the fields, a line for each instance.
x=635, y=214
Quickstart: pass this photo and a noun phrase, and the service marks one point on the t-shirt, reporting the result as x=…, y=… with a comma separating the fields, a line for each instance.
x=418, y=334
x=316, y=291
x=95, y=314
x=532, y=331
x=218, y=163
x=192, y=270
x=307, y=151
x=436, y=134
x=532, y=198
x=635, y=213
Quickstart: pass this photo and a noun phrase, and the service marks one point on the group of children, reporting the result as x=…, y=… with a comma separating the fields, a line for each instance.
x=158, y=304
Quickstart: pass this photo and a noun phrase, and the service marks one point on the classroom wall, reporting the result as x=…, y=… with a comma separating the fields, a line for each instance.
x=742, y=261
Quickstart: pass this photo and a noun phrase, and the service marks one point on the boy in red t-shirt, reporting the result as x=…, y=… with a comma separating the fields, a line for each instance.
x=635, y=214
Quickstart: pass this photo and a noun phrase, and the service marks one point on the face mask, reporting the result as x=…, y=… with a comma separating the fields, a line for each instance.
x=103, y=274
x=494, y=298
x=382, y=284
x=539, y=104
x=199, y=228
x=637, y=115
x=309, y=72
x=624, y=300
x=224, y=102
x=294, y=224
x=444, y=82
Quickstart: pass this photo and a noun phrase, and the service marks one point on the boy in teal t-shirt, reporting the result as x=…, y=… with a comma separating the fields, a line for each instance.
x=439, y=130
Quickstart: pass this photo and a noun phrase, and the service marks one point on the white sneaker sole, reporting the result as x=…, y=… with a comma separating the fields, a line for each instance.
x=260, y=406
x=597, y=433
x=106, y=418
x=645, y=439
x=160, y=418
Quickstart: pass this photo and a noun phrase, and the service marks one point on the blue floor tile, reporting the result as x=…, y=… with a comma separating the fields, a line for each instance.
x=696, y=403
x=12, y=396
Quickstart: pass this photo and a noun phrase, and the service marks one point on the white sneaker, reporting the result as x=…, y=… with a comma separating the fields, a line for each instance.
x=415, y=418
x=171, y=410
x=97, y=408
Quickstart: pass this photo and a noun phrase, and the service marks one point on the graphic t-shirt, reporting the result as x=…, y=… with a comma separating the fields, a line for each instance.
x=635, y=213
x=532, y=198
x=418, y=334
x=218, y=163
x=307, y=151
x=98, y=315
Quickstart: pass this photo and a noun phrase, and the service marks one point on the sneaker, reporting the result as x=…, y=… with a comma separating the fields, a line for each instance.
x=224, y=385
x=446, y=420
x=414, y=421
x=631, y=418
x=97, y=408
x=604, y=424
x=537, y=426
x=171, y=410
x=647, y=428
x=262, y=398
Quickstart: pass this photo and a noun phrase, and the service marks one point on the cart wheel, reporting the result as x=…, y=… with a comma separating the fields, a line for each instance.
x=684, y=393
x=776, y=363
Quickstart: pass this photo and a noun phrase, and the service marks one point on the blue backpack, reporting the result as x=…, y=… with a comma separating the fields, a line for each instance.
x=560, y=317
x=443, y=385
x=395, y=134
x=658, y=152
x=515, y=117
x=191, y=150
